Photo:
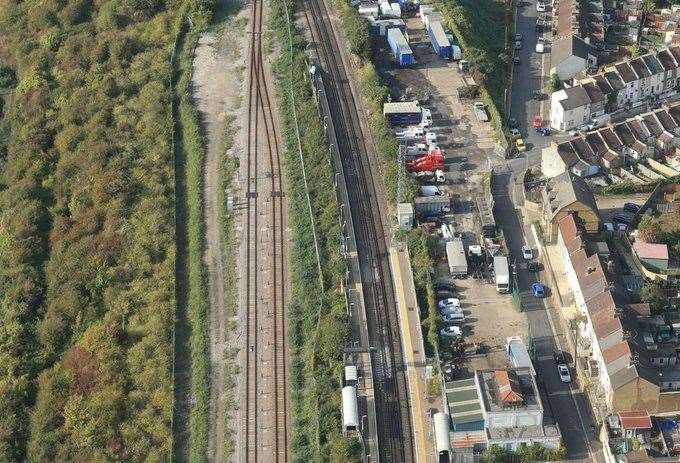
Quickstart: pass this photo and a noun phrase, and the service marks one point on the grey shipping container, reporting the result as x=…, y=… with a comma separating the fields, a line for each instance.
x=430, y=205
x=403, y=113
x=380, y=27
x=400, y=47
x=440, y=43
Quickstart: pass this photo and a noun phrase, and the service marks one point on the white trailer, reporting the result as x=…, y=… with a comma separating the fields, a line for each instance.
x=455, y=253
x=517, y=353
x=441, y=437
x=502, y=274
x=350, y=410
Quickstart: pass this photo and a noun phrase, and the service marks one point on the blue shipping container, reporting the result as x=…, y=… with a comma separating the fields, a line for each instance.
x=400, y=47
x=440, y=43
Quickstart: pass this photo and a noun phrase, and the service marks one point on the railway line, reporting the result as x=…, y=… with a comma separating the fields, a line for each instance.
x=392, y=409
x=265, y=426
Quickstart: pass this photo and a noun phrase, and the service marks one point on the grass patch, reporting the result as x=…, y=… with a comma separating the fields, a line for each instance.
x=420, y=248
x=190, y=154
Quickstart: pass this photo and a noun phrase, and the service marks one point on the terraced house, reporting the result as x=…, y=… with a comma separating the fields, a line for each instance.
x=626, y=84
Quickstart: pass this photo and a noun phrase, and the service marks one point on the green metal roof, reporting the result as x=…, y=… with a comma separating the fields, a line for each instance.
x=464, y=402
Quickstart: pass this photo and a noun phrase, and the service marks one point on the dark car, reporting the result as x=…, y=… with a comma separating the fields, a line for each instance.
x=445, y=287
x=533, y=266
x=537, y=95
x=631, y=207
x=559, y=357
x=620, y=218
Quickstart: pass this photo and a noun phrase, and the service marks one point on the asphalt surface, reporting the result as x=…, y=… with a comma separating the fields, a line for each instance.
x=528, y=77
x=561, y=401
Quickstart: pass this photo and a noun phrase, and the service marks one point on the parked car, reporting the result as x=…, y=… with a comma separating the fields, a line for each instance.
x=540, y=7
x=608, y=226
x=520, y=145
x=533, y=266
x=464, y=65
x=631, y=207
x=516, y=60
x=480, y=112
x=451, y=301
x=514, y=133
x=538, y=95
x=518, y=45
x=620, y=218
x=563, y=371
x=518, y=37
x=538, y=290
x=527, y=252
x=621, y=227
x=558, y=356
x=451, y=331
x=444, y=286
x=449, y=309
x=456, y=317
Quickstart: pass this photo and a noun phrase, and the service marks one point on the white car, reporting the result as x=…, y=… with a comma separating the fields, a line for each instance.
x=456, y=317
x=450, y=309
x=540, y=7
x=563, y=371
x=430, y=138
x=451, y=301
x=527, y=253
x=453, y=331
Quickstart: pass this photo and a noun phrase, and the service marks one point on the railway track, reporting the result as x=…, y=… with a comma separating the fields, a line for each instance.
x=392, y=409
x=265, y=427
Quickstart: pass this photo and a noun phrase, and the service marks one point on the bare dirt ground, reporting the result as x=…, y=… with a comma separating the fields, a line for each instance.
x=217, y=85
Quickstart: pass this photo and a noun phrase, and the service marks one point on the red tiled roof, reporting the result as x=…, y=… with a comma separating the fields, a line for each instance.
x=604, y=326
x=635, y=420
x=506, y=389
x=650, y=250
x=570, y=232
x=602, y=301
x=616, y=352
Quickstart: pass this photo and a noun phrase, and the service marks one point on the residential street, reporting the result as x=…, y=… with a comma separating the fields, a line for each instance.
x=527, y=78
x=564, y=403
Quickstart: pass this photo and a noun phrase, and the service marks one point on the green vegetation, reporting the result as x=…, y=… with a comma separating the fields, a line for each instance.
x=555, y=83
x=355, y=28
x=664, y=229
x=190, y=152
x=318, y=328
x=420, y=248
x=8, y=77
x=482, y=28
x=525, y=453
x=87, y=230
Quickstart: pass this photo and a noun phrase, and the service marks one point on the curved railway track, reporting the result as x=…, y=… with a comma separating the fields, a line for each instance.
x=395, y=431
x=266, y=404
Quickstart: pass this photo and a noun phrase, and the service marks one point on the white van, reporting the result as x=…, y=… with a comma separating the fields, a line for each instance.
x=456, y=53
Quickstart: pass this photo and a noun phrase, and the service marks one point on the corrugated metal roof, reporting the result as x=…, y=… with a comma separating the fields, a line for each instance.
x=650, y=250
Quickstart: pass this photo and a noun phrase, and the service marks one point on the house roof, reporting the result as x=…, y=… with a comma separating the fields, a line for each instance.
x=653, y=64
x=604, y=326
x=643, y=308
x=596, y=143
x=581, y=166
x=638, y=147
x=666, y=60
x=635, y=420
x=600, y=302
x=508, y=389
x=638, y=129
x=570, y=232
x=675, y=51
x=570, y=45
x=652, y=125
x=623, y=377
x=569, y=189
x=640, y=68
x=650, y=250
x=582, y=148
x=624, y=134
x=610, y=156
x=666, y=120
x=674, y=112
x=594, y=92
x=611, y=139
x=603, y=85
x=590, y=275
x=567, y=153
x=614, y=79
x=625, y=72
x=618, y=350
x=576, y=97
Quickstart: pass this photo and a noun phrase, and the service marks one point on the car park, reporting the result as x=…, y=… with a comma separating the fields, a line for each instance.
x=451, y=301
x=538, y=290
x=631, y=207
x=527, y=253
x=563, y=371
x=451, y=331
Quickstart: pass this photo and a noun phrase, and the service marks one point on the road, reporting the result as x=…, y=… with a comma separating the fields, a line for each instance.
x=568, y=406
x=529, y=76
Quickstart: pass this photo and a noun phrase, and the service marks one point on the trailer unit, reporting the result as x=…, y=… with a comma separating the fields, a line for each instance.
x=400, y=47
x=502, y=274
x=440, y=44
x=441, y=437
x=455, y=254
x=403, y=112
x=380, y=27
